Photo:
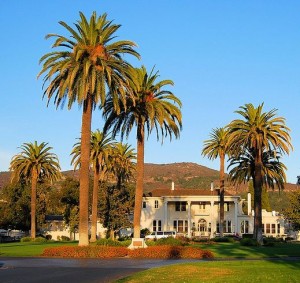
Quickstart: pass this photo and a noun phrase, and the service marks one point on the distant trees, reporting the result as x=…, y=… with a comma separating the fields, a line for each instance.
x=292, y=211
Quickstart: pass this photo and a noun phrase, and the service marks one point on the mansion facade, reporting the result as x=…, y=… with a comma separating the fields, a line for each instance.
x=195, y=213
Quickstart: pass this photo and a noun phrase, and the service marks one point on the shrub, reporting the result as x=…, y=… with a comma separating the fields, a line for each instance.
x=108, y=242
x=26, y=239
x=86, y=252
x=65, y=238
x=48, y=237
x=39, y=240
x=170, y=241
x=223, y=239
x=170, y=252
x=249, y=242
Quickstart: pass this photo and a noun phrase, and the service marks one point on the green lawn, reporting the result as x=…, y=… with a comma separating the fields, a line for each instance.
x=225, y=271
x=235, y=250
x=28, y=248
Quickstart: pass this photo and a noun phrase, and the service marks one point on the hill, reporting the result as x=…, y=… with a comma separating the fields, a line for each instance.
x=185, y=175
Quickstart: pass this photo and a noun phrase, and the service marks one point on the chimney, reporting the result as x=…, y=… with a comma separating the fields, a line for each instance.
x=249, y=203
x=212, y=186
x=173, y=186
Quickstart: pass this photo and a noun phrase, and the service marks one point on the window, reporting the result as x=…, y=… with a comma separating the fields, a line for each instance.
x=202, y=206
x=202, y=225
x=180, y=206
x=156, y=203
x=180, y=226
x=278, y=228
x=144, y=204
x=273, y=228
x=228, y=230
x=226, y=206
x=268, y=230
x=263, y=228
x=245, y=227
x=156, y=225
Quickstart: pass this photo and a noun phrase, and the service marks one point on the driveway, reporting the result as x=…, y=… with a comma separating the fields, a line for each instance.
x=48, y=270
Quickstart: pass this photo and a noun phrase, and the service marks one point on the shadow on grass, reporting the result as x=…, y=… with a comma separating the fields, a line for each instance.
x=284, y=251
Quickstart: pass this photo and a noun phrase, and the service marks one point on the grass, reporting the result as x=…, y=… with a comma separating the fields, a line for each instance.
x=225, y=271
x=29, y=249
x=235, y=250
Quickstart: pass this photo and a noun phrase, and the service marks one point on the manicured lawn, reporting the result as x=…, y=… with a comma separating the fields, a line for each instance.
x=225, y=271
x=29, y=248
x=235, y=250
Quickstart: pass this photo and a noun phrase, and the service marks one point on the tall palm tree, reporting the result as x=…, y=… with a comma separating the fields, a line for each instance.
x=88, y=62
x=101, y=149
x=151, y=107
x=217, y=146
x=258, y=132
x=35, y=162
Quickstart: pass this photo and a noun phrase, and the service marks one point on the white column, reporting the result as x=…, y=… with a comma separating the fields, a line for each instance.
x=212, y=219
x=165, y=215
x=235, y=216
x=189, y=219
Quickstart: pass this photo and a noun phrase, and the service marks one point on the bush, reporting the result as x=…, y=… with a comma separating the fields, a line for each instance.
x=170, y=252
x=25, y=239
x=224, y=239
x=170, y=241
x=39, y=240
x=108, y=242
x=86, y=252
x=48, y=237
x=249, y=242
x=65, y=238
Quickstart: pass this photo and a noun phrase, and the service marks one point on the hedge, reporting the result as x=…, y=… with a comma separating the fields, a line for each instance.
x=154, y=252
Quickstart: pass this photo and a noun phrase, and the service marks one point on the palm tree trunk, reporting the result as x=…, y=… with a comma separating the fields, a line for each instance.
x=139, y=182
x=257, y=202
x=84, y=172
x=222, y=177
x=95, y=205
x=33, y=202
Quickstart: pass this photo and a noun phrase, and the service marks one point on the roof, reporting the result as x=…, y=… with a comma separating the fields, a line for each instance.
x=184, y=192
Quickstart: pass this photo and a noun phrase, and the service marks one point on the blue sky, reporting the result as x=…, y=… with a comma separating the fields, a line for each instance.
x=220, y=55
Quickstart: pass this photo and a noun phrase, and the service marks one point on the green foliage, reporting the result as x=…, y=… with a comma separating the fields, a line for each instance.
x=108, y=242
x=292, y=211
x=115, y=204
x=15, y=210
x=223, y=240
x=249, y=242
x=265, y=203
x=39, y=240
x=25, y=239
x=170, y=241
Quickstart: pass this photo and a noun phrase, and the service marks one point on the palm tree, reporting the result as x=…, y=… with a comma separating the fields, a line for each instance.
x=256, y=133
x=217, y=146
x=86, y=64
x=35, y=162
x=151, y=107
x=101, y=149
x=123, y=163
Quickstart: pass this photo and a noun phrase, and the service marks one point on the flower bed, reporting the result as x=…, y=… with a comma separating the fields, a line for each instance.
x=159, y=252
x=170, y=252
x=86, y=252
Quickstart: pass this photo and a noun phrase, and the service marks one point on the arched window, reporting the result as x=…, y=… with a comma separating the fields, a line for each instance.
x=202, y=225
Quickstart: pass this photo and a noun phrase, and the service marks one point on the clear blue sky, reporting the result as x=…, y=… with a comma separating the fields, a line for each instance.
x=220, y=54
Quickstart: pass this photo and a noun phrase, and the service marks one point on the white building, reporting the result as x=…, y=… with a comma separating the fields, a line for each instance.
x=195, y=213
